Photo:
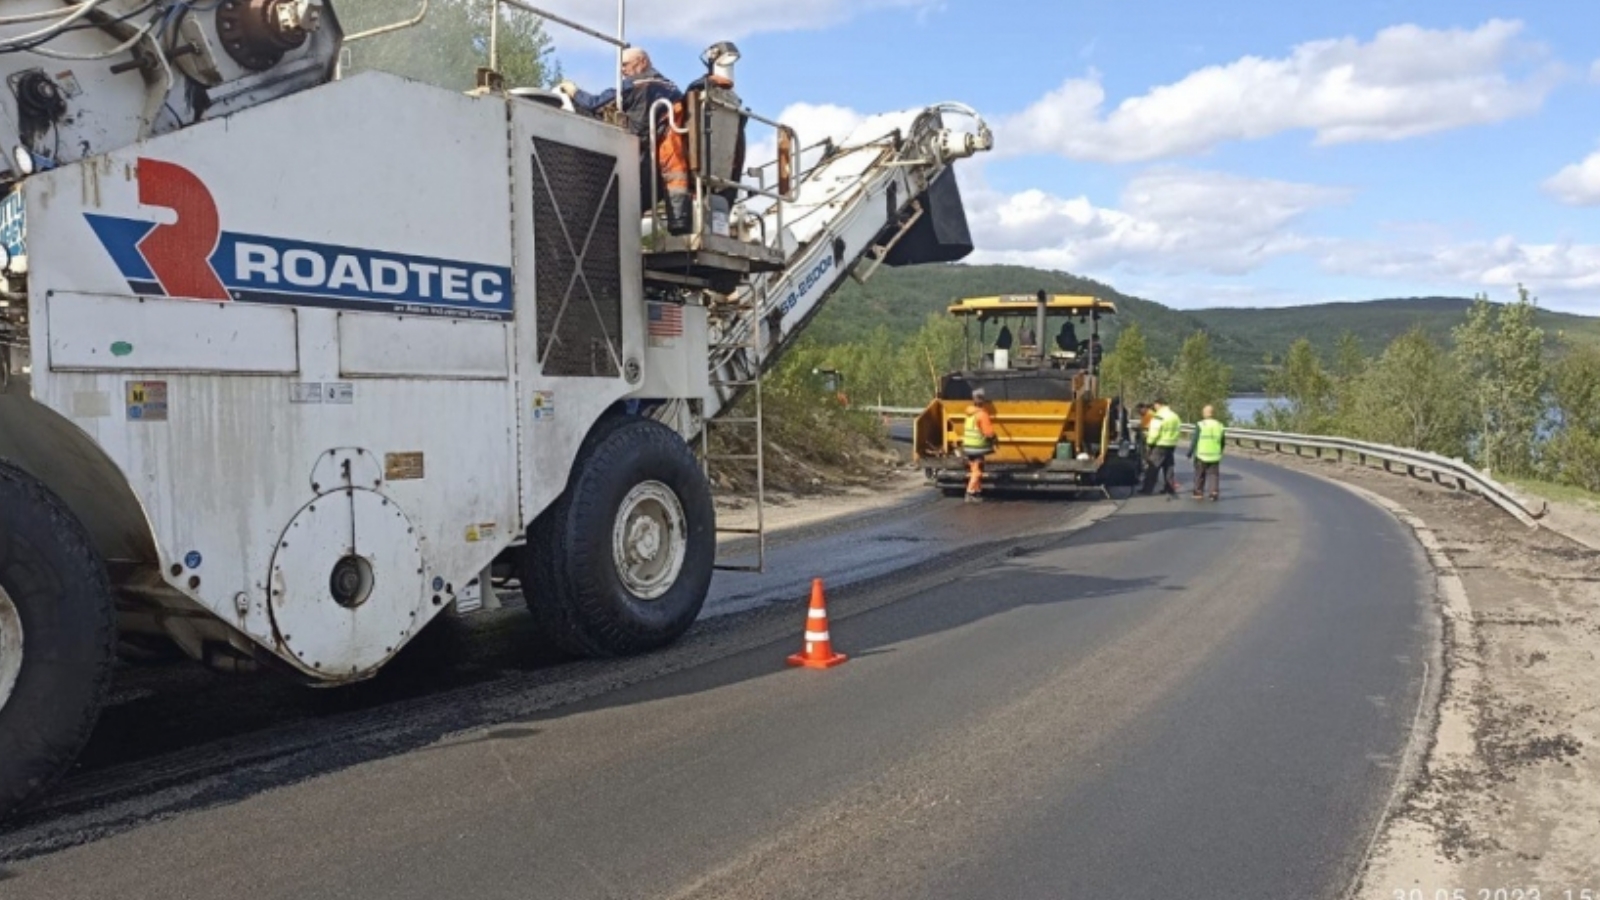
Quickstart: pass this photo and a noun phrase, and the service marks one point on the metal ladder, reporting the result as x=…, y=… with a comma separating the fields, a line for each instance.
x=742, y=376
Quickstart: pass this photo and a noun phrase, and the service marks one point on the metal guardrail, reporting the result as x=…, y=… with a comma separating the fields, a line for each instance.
x=1442, y=469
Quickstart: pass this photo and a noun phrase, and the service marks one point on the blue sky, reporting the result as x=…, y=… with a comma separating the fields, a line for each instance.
x=1237, y=152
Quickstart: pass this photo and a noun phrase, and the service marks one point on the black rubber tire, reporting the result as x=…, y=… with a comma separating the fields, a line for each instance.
x=57, y=582
x=1119, y=472
x=570, y=576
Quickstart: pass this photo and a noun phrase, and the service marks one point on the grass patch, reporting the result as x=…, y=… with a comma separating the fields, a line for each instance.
x=1559, y=492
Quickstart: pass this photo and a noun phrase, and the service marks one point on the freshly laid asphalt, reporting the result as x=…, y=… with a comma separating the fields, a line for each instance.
x=1181, y=699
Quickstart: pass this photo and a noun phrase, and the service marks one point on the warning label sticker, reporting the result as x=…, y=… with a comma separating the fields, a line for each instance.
x=147, y=401
x=544, y=405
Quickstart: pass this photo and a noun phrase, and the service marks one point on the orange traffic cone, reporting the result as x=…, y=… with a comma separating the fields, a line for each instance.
x=819, y=647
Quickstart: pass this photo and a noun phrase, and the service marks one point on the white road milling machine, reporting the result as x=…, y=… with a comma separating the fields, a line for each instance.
x=288, y=361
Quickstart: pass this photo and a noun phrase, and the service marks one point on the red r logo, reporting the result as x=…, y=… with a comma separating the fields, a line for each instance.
x=180, y=254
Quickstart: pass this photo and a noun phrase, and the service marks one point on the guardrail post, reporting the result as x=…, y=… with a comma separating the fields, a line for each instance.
x=1388, y=466
x=1340, y=454
x=1363, y=459
x=1412, y=471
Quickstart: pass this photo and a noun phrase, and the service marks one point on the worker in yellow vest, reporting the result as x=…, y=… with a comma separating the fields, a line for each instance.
x=977, y=441
x=1206, y=451
x=1166, y=431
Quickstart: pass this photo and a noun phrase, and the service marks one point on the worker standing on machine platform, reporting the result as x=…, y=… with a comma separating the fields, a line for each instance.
x=642, y=87
x=977, y=442
x=1166, y=430
x=1206, y=451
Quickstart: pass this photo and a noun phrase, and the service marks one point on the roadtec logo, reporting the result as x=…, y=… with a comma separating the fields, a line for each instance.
x=193, y=258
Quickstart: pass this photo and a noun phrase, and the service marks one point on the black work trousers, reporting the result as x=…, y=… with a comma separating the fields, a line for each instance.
x=1160, y=466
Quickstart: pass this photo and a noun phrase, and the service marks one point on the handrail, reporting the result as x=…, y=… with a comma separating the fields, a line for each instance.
x=620, y=41
x=387, y=29
x=1439, y=467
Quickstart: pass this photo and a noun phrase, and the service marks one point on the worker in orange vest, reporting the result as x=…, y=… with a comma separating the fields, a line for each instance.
x=977, y=441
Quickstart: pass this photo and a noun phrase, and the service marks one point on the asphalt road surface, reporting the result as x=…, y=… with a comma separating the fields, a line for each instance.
x=1180, y=699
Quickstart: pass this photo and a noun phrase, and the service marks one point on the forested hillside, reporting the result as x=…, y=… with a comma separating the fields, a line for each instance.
x=899, y=301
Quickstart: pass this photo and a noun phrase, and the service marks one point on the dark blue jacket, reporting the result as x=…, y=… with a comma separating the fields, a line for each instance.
x=638, y=95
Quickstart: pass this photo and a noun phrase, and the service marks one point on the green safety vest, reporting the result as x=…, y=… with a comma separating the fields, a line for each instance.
x=1208, y=444
x=1169, y=431
x=974, y=438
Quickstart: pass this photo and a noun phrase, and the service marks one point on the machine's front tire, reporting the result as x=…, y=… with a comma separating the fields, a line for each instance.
x=1118, y=472
x=621, y=564
x=57, y=638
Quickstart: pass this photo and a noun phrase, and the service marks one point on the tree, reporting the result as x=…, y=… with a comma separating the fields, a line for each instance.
x=1199, y=379
x=937, y=349
x=1303, y=383
x=1348, y=366
x=450, y=44
x=1411, y=397
x=1572, y=454
x=1127, y=368
x=1502, y=355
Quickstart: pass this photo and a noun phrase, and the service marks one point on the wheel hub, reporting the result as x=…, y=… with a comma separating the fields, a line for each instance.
x=10, y=647
x=645, y=539
x=650, y=540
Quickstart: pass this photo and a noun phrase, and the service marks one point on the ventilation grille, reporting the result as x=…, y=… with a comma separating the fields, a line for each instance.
x=578, y=272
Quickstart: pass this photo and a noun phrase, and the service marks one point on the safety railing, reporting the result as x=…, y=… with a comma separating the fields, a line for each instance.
x=1416, y=463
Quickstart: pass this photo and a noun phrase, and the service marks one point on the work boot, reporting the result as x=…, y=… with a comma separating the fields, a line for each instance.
x=974, y=498
x=680, y=213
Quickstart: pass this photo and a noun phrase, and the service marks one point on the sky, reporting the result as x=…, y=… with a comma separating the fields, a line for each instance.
x=1225, y=153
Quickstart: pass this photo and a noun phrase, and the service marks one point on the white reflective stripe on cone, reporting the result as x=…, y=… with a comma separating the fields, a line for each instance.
x=817, y=636
x=818, y=614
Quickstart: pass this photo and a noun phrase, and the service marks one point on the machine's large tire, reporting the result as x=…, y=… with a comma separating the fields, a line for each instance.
x=632, y=476
x=58, y=644
x=1118, y=472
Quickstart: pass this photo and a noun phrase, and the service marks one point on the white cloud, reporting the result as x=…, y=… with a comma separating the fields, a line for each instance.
x=1561, y=268
x=1190, y=237
x=1577, y=184
x=812, y=123
x=1168, y=220
x=1405, y=82
x=704, y=22
x=1594, y=71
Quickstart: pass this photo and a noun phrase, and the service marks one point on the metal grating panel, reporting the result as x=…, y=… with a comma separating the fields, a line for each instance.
x=577, y=249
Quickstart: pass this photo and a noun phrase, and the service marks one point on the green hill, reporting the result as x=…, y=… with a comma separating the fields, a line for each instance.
x=900, y=300
x=1374, y=323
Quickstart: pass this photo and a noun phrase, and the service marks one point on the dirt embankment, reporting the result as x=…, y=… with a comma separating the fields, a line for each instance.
x=1507, y=799
x=821, y=462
